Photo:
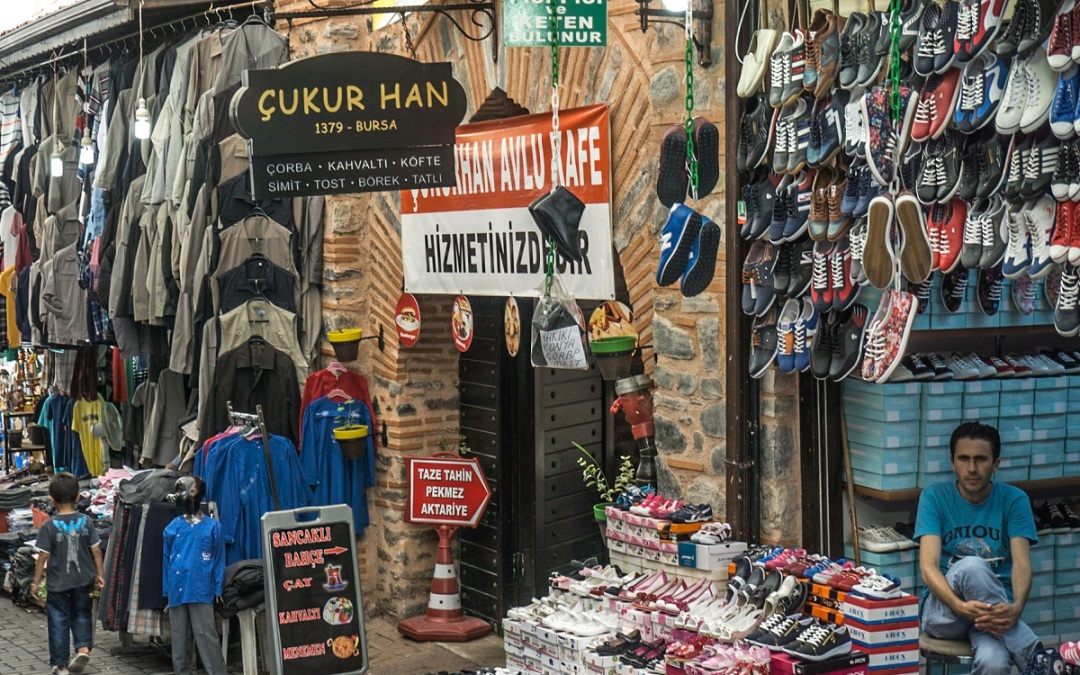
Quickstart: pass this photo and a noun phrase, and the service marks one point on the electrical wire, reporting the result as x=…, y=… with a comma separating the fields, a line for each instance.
x=738, y=30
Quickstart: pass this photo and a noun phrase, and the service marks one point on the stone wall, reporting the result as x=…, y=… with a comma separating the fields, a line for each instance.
x=640, y=75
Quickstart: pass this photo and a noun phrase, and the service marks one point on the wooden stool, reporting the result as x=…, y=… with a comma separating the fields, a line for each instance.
x=945, y=652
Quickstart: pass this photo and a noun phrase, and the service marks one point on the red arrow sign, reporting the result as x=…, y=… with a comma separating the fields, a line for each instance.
x=446, y=491
x=337, y=550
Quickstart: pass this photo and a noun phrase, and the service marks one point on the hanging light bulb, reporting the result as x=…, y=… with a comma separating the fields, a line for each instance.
x=56, y=164
x=142, y=120
x=86, y=152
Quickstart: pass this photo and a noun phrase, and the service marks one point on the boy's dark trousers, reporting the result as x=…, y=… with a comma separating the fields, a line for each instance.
x=70, y=618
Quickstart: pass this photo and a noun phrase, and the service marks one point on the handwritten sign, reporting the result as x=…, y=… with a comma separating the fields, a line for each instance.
x=562, y=348
x=313, y=593
x=445, y=491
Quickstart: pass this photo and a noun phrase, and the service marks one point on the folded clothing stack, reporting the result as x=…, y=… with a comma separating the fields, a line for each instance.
x=14, y=498
x=20, y=520
x=242, y=588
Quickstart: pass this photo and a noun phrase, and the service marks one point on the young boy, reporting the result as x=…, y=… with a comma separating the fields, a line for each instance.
x=69, y=542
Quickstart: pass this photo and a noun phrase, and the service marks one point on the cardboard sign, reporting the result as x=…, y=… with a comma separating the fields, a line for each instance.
x=407, y=320
x=315, y=609
x=348, y=101
x=461, y=323
x=445, y=491
x=478, y=238
x=580, y=23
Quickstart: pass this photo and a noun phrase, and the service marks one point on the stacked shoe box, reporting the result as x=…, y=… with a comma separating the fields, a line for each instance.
x=638, y=537
x=941, y=409
x=1049, y=426
x=886, y=630
x=1067, y=585
x=847, y=664
x=903, y=565
x=824, y=602
x=534, y=648
x=640, y=543
x=1039, y=611
x=883, y=432
x=1015, y=420
x=1072, y=433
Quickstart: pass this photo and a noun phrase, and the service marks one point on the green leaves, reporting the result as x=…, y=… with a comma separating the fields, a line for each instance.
x=594, y=477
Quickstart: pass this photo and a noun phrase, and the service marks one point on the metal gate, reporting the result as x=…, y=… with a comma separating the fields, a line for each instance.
x=519, y=421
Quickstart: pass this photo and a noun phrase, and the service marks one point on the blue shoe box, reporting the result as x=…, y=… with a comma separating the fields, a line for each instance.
x=876, y=481
x=871, y=433
x=937, y=433
x=1067, y=628
x=892, y=462
x=1013, y=474
x=946, y=321
x=1042, y=555
x=1047, y=427
x=1072, y=462
x=935, y=460
x=1044, y=471
x=926, y=479
x=977, y=319
x=943, y=401
x=1069, y=576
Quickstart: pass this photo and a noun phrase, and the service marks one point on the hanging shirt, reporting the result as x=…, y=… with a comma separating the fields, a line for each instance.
x=13, y=336
x=332, y=478
x=194, y=561
x=85, y=414
x=324, y=381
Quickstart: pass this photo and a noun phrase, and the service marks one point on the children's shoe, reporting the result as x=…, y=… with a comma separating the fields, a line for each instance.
x=692, y=513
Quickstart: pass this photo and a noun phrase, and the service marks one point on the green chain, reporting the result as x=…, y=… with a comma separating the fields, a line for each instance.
x=555, y=135
x=691, y=156
x=895, y=103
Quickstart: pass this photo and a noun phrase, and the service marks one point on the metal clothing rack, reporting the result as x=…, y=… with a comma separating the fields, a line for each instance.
x=257, y=420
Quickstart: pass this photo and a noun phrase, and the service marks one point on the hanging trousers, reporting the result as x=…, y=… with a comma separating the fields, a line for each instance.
x=195, y=619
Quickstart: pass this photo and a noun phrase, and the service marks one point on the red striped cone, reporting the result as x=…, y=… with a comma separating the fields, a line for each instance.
x=444, y=621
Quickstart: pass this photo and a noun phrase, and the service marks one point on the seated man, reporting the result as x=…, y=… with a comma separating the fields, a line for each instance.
x=974, y=539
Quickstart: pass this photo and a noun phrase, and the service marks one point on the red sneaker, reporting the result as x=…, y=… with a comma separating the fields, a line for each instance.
x=951, y=235
x=1064, y=234
x=937, y=102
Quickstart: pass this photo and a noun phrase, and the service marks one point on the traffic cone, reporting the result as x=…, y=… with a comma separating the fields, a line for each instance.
x=444, y=621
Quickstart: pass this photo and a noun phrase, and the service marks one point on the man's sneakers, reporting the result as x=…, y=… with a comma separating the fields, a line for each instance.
x=688, y=248
x=820, y=641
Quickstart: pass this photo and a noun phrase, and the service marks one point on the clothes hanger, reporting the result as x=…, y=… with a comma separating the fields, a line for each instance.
x=337, y=368
x=338, y=392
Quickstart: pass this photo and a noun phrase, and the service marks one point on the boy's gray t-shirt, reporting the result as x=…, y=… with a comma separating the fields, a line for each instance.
x=68, y=538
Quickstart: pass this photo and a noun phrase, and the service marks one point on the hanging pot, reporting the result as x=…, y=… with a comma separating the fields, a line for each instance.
x=353, y=440
x=346, y=343
x=613, y=355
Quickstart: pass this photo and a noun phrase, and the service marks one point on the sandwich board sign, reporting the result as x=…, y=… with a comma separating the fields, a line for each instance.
x=315, y=621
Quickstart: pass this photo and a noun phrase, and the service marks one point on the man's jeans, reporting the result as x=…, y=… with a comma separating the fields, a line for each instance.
x=69, y=615
x=972, y=579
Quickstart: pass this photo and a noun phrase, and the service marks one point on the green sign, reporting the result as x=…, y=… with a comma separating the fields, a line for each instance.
x=580, y=23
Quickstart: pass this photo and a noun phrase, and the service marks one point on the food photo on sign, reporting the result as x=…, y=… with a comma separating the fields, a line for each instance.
x=407, y=320
x=512, y=326
x=461, y=322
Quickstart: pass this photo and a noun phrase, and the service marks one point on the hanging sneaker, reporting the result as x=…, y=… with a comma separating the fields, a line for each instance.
x=882, y=139
x=981, y=91
x=857, y=236
x=1041, y=85
x=870, y=51
x=1040, y=23
x=988, y=290
x=878, y=260
x=752, y=284
x=945, y=55
x=951, y=234
x=929, y=41
x=802, y=268
x=795, y=62
x=821, y=291
x=1059, y=48
x=756, y=62
x=953, y=287
x=813, y=149
x=701, y=263
x=1023, y=295
x=1063, y=172
x=931, y=174
x=1014, y=101
x=1015, y=175
x=1051, y=287
x=868, y=189
x=972, y=250
x=821, y=352
x=1009, y=40
x=761, y=198
x=672, y=180
x=915, y=255
x=838, y=222
x=921, y=292
x=756, y=132
x=910, y=20
x=780, y=68
x=843, y=291
x=854, y=131
x=911, y=165
x=948, y=168
x=969, y=174
x=990, y=13
x=806, y=328
x=1039, y=219
x=1039, y=166
x=783, y=198
x=1073, y=150
x=967, y=25
x=1018, y=244
x=818, y=221
x=1074, y=237
x=676, y=239
x=798, y=205
x=848, y=343
x=785, y=335
x=1063, y=232
x=993, y=244
x=994, y=164
x=896, y=330
x=937, y=102
x=832, y=127
x=1063, y=107
x=781, y=277
x=849, y=63
x=874, y=349
x=783, y=147
x=827, y=45
x=763, y=344
x=799, y=136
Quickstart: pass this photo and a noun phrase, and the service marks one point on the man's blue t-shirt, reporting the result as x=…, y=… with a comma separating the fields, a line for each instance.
x=983, y=529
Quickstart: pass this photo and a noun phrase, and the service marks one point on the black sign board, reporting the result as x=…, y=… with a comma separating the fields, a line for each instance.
x=352, y=171
x=316, y=620
x=348, y=101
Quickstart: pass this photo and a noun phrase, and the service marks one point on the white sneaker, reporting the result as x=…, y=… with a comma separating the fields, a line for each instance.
x=878, y=587
x=985, y=369
x=1014, y=101
x=873, y=539
x=756, y=61
x=1039, y=220
x=1041, y=84
x=1014, y=232
x=962, y=370
x=780, y=69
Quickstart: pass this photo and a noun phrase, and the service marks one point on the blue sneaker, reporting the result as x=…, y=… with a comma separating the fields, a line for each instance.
x=785, y=337
x=1063, y=107
x=851, y=191
x=820, y=567
x=701, y=263
x=805, y=330
x=798, y=205
x=981, y=89
x=1018, y=244
x=676, y=239
x=780, y=211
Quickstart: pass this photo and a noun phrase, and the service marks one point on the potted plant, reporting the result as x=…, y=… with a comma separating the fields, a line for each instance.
x=593, y=475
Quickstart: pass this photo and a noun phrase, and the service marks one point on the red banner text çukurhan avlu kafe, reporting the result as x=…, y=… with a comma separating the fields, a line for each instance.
x=477, y=238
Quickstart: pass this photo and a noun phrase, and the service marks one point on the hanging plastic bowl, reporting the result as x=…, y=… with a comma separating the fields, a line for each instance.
x=352, y=439
x=613, y=355
x=346, y=343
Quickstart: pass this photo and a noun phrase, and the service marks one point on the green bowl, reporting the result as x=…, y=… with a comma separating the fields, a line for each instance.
x=613, y=345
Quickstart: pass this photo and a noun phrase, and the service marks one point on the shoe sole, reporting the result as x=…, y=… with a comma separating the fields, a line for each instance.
x=878, y=259
x=835, y=651
x=680, y=256
x=707, y=148
x=915, y=255
x=671, y=179
x=78, y=664
x=699, y=275
x=900, y=349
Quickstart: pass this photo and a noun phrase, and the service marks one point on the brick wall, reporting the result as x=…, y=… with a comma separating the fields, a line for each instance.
x=640, y=76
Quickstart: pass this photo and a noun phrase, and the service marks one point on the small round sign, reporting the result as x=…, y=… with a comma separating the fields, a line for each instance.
x=512, y=326
x=461, y=323
x=611, y=319
x=407, y=320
